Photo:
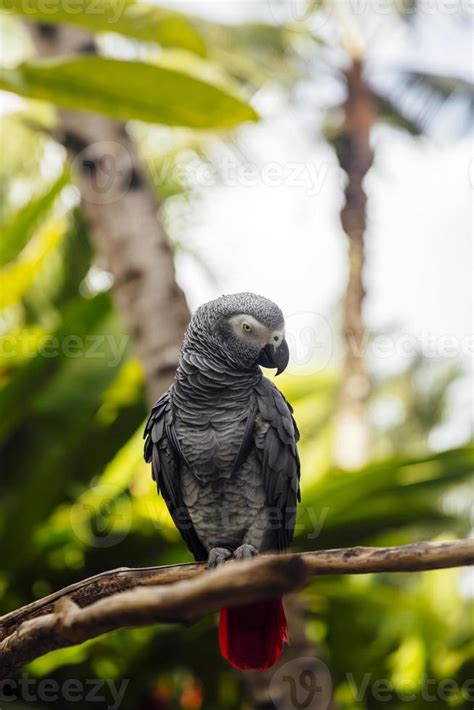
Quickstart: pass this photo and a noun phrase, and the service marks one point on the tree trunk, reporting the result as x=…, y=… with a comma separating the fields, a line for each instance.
x=355, y=157
x=122, y=214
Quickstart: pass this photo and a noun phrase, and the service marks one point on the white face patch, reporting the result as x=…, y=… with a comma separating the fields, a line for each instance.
x=249, y=329
x=276, y=337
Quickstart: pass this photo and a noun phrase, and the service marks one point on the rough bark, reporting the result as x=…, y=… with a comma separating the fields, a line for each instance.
x=355, y=157
x=182, y=593
x=123, y=216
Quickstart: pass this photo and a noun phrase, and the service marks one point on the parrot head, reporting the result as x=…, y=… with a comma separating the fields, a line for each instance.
x=244, y=329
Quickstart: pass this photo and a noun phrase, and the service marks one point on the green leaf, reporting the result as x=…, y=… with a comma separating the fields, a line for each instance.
x=16, y=233
x=68, y=404
x=128, y=90
x=18, y=396
x=148, y=23
x=76, y=259
x=18, y=276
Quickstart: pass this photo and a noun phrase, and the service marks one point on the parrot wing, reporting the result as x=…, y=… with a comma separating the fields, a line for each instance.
x=275, y=436
x=163, y=450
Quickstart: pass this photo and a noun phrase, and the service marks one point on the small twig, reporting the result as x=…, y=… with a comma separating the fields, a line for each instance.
x=181, y=593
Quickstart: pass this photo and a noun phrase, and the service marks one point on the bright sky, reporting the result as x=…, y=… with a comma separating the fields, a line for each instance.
x=284, y=240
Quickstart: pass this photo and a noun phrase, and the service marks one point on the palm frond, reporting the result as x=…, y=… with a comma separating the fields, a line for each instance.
x=417, y=101
x=391, y=114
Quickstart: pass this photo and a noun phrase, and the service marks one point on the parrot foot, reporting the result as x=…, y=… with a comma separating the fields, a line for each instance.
x=245, y=552
x=217, y=556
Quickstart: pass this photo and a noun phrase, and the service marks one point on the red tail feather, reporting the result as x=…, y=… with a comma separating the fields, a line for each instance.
x=252, y=636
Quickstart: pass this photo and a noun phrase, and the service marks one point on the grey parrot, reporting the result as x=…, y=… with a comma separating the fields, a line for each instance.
x=222, y=444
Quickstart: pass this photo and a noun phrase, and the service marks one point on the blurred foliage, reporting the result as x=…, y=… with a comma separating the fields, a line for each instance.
x=124, y=90
x=76, y=497
x=141, y=21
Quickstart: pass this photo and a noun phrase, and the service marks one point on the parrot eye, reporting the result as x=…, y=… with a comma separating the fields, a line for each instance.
x=246, y=327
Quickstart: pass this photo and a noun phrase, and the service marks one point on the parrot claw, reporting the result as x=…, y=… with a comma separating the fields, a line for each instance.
x=217, y=556
x=245, y=552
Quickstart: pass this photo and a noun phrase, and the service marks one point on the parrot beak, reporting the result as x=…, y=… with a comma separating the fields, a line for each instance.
x=275, y=356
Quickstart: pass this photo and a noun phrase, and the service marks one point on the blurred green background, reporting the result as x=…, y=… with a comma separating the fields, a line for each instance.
x=76, y=497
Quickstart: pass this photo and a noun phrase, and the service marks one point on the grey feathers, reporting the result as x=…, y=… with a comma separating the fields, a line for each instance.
x=261, y=308
x=222, y=440
x=275, y=438
x=165, y=456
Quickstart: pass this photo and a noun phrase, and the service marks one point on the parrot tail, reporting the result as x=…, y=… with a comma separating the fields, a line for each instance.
x=252, y=636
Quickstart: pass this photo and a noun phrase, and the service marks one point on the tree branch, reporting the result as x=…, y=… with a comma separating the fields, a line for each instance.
x=182, y=593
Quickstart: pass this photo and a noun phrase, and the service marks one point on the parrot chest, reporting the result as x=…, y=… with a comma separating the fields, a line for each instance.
x=225, y=503
x=210, y=443
x=224, y=510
